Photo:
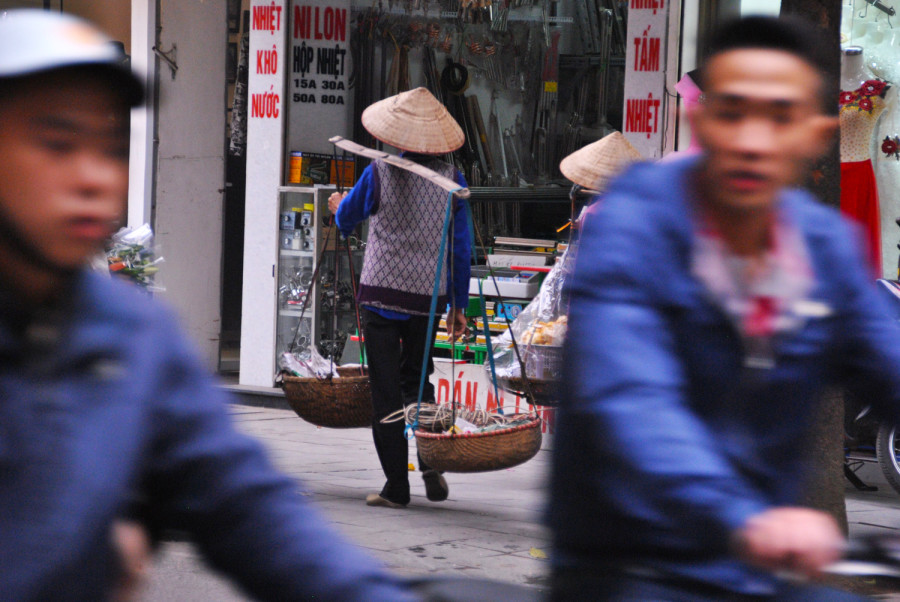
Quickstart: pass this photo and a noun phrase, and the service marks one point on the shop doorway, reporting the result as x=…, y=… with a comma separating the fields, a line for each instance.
x=235, y=186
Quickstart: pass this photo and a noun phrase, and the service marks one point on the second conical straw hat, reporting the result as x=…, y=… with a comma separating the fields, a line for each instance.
x=414, y=121
x=594, y=165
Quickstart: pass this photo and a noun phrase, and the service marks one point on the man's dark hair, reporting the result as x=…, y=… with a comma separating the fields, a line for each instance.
x=788, y=34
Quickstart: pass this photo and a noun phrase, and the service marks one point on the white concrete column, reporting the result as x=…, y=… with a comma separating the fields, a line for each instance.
x=142, y=151
x=267, y=110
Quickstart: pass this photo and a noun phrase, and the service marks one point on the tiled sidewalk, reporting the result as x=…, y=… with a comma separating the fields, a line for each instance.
x=489, y=527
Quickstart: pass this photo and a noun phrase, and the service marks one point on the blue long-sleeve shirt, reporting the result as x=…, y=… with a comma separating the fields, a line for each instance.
x=118, y=402
x=362, y=201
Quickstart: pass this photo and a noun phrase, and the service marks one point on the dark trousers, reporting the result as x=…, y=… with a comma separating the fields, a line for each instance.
x=395, y=349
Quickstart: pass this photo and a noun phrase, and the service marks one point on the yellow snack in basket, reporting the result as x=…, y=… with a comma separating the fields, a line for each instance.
x=546, y=333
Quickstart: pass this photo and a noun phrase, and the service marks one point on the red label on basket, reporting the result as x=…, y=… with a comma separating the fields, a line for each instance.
x=473, y=389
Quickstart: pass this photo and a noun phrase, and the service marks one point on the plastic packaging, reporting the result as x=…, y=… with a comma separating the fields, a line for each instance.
x=539, y=331
x=307, y=364
x=133, y=256
x=464, y=426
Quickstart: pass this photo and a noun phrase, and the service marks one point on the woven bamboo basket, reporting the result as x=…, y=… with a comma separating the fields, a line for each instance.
x=344, y=402
x=480, y=452
x=545, y=392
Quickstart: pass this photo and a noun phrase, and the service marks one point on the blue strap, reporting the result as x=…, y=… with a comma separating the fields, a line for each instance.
x=410, y=430
x=487, y=330
x=471, y=225
x=490, y=349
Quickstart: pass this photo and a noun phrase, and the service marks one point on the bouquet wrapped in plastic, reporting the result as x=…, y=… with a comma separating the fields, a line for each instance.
x=539, y=331
x=131, y=255
x=307, y=364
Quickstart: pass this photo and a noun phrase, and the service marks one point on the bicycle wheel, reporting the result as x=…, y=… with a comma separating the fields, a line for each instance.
x=887, y=451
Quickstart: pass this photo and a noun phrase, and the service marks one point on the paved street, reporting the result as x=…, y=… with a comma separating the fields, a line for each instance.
x=488, y=528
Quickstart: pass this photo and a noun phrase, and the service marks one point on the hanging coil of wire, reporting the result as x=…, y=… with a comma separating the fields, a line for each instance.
x=437, y=418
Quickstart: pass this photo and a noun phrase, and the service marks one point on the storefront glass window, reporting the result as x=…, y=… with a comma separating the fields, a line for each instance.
x=870, y=125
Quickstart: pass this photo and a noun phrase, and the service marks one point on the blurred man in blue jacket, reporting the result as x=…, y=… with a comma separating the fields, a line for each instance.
x=100, y=395
x=710, y=304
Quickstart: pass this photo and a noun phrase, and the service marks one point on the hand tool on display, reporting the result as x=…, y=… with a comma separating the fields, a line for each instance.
x=473, y=138
x=386, y=48
x=495, y=136
x=392, y=74
x=493, y=61
x=511, y=150
x=411, y=166
x=475, y=171
x=429, y=70
x=606, y=19
x=516, y=219
x=498, y=22
x=586, y=16
x=475, y=109
x=403, y=73
x=475, y=174
x=525, y=160
x=571, y=137
x=545, y=119
x=889, y=10
x=618, y=26
x=454, y=81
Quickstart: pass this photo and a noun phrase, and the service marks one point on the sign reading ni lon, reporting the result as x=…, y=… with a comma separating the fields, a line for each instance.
x=645, y=77
x=318, y=73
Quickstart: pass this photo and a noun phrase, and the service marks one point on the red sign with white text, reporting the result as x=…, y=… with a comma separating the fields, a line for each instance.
x=472, y=388
x=266, y=27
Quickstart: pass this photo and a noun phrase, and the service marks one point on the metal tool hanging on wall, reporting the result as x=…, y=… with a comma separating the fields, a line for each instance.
x=883, y=7
x=544, y=132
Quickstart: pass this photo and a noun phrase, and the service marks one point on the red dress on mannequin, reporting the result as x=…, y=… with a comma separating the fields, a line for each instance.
x=859, y=113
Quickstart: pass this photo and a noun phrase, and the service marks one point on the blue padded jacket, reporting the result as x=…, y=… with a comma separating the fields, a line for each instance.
x=665, y=442
x=121, y=404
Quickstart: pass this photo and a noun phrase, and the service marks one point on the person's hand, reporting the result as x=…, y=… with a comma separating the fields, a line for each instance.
x=794, y=539
x=132, y=545
x=334, y=201
x=457, y=325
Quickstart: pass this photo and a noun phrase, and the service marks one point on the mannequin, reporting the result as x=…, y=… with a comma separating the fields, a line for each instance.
x=862, y=101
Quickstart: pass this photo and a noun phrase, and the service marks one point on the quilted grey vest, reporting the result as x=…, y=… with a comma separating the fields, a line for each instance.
x=404, y=241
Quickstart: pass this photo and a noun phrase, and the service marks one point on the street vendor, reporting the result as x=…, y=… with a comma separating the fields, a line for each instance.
x=592, y=166
x=406, y=219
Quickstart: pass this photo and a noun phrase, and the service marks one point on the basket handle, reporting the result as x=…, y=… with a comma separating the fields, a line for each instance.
x=529, y=392
x=313, y=286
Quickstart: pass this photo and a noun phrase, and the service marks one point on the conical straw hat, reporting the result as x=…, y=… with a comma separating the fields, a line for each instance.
x=414, y=121
x=595, y=164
